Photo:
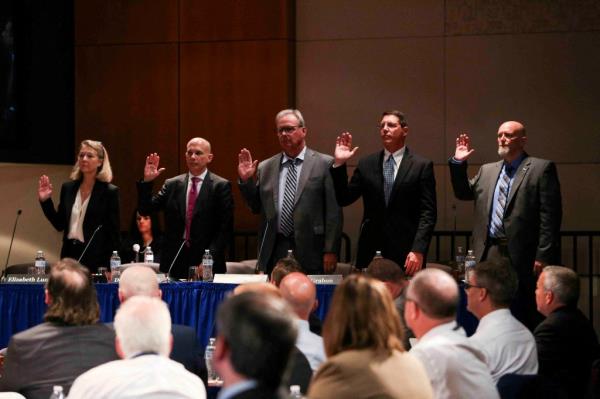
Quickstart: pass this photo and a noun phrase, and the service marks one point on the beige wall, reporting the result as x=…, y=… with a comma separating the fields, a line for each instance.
x=34, y=232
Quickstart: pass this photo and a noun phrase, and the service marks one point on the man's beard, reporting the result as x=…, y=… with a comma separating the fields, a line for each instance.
x=503, y=151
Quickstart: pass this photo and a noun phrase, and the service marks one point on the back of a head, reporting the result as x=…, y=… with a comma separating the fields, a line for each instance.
x=436, y=293
x=386, y=270
x=283, y=267
x=72, y=296
x=300, y=292
x=362, y=315
x=143, y=324
x=564, y=284
x=260, y=333
x=138, y=280
x=259, y=288
x=500, y=281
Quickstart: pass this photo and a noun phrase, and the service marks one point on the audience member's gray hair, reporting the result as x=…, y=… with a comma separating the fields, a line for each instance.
x=563, y=282
x=435, y=292
x=500, y=281
x=290, y=111
x=143, y=324
x=138, y=280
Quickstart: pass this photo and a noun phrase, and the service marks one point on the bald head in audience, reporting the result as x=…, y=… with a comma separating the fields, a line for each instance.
x=138, y=280
x=300, y=292
x=260, y=288
x=431, y=300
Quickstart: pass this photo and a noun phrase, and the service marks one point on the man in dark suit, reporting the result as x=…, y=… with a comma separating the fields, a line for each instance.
x=398, y=191
x=294, y=195
x=198, y=210
x=517, y=210
x=67, y=344
x=256, y=339
x=566, y=342
x=142, y=281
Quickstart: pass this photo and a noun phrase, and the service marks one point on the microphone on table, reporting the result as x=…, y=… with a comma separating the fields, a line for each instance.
x=11, y=241
x=89, y=242
x=169, y=279
x=136, y=249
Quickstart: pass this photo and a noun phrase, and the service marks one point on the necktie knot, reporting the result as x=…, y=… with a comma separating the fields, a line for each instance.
x=195, y=180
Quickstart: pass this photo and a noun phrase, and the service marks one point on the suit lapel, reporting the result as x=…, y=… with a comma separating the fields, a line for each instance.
x=204, y=194
x=273, y=170
x=70, y=200
x=521, y=172
x=181, y=187
x=405, y=166
x=491, y=186
x=307, y=166
x=379, y=175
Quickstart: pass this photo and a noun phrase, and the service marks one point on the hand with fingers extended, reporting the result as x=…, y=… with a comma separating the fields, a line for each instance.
x=463, y=147
x=246, y=166
x=151, y=168
x=343, y=149
x=44, y=188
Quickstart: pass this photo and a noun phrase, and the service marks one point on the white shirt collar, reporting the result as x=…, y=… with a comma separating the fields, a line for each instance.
x=300, y=156
x=201, y=176
x=397, y=155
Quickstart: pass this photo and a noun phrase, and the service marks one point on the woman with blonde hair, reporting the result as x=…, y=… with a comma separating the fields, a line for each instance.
x=363, y=341
x=88, y=207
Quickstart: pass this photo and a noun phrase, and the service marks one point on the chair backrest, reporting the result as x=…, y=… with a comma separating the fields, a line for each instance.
x=528, y=386
x=20, y=268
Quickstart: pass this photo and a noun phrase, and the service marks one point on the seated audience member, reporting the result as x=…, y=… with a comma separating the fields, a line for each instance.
x=256, y=337
x=566, y=342
x=508, y=346
x=363, y=342
x=392, y=275
x=300, y=292
x=141, y=280
x=456, y=368
x=69, y=342
x=143, y=326
x=144, y=231
x=283, y=267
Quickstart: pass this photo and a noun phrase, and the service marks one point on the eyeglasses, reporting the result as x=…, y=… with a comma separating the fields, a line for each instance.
x=469, y=285
x=287, y=129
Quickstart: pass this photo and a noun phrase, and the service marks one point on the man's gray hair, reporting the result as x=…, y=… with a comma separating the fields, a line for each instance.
x=143, y=324
x=290, y=111
x=564, y=284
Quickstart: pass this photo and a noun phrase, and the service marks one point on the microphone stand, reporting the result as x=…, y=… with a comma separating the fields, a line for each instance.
x=11, y=242
x=169, y=279
x=89, y=242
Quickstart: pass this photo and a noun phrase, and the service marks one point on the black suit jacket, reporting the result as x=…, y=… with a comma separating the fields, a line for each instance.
x=533, y=212
x=212, y=220
x=567, y=345
x=407, y=223
x=187, y=351
x=50, y=354
x=103, y=209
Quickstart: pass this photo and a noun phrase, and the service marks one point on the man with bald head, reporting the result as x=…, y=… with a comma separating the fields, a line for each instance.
x=198, y=210
x=142, y=281
x=456, y=369
x=517, y=210
x=300, y=292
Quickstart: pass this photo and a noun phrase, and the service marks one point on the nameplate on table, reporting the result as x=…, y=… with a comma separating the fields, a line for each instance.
x=240, y=278
x=25, y=278
x=320, y=279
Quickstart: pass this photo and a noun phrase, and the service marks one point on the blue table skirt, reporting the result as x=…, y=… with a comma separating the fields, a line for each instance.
x=193, y=304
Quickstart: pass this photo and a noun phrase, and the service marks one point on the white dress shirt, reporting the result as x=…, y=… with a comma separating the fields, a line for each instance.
x=310, y=344
x=456, y=368
x=77, y=216
x=508, y=346
x=146, y=376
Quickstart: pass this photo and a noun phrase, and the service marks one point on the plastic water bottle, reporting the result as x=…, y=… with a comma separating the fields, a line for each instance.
x=208, y=358
x=460, y=261
x=115, y=266
x=40, y=263
x=290, y=254
x=378, y=255
x=148, y=255
x=207, y=266
x=469, y=263
x=57, y=392
x=295, y=391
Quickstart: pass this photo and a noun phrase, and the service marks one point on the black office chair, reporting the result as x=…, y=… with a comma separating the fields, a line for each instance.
x=20, y=268
x=528, y=386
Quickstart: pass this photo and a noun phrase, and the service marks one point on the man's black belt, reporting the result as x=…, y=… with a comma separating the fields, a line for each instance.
x=503, y=241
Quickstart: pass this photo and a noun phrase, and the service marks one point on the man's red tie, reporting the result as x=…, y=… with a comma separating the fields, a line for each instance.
x=193, y=194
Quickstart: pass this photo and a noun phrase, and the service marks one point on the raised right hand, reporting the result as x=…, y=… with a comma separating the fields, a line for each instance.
x=343, y=149
x=44, y=188
x=246, y=167
x=151, y=169
x=463, y=147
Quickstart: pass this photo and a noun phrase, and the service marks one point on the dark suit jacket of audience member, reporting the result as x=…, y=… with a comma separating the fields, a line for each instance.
x=103, y=209
x=567, y=345
x=52, y=354
x=212, y=219
x=406, y=223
